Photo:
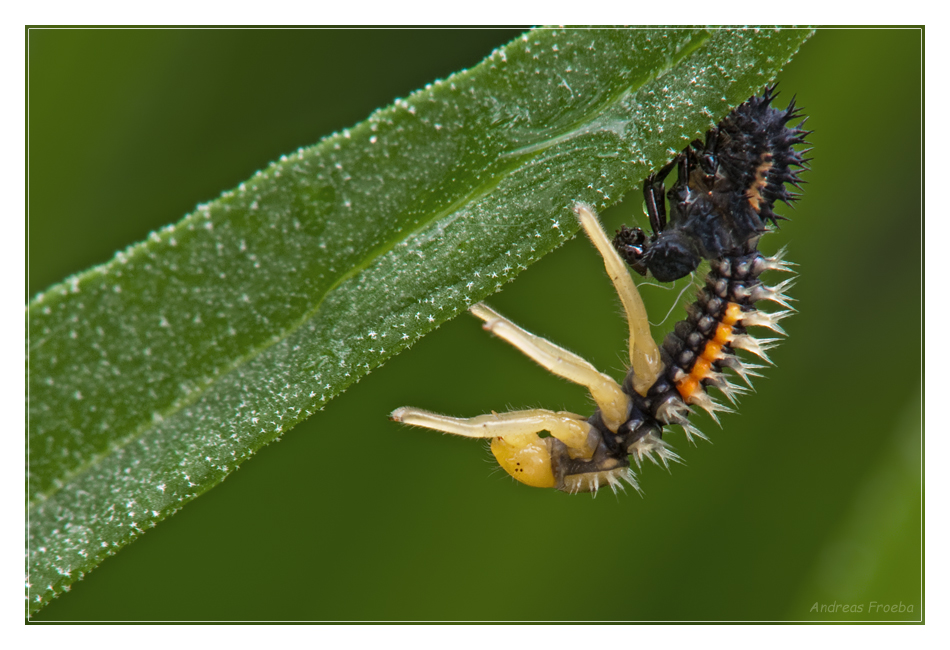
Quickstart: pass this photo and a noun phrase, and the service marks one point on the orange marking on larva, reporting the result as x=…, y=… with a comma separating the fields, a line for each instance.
x=687, y=387
x=754, y=194
x=723, y=334
x=700, y=368
x=712, y=351
x=732, y=315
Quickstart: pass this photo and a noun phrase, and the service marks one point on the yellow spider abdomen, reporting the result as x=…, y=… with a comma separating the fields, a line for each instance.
x=526, y=458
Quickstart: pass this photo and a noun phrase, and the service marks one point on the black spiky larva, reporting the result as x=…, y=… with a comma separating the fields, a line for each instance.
x=725, y=192
x=720, y=206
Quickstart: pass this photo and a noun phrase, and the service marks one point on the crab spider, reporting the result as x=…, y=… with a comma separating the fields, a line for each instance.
x=581, y=454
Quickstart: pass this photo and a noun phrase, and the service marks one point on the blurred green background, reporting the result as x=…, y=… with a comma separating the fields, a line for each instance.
x=811, y=495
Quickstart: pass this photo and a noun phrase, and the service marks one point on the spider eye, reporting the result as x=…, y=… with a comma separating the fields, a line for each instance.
x=631, y=243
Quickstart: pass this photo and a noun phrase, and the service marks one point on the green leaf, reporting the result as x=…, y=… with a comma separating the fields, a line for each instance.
x=153, y=376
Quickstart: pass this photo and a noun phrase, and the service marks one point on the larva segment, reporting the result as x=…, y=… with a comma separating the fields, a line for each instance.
x=704, y=345
x=705, y=365
x=756, y=150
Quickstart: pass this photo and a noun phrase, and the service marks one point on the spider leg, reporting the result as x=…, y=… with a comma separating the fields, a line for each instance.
x=571, y=429
x=644, y=353
x=614, y=404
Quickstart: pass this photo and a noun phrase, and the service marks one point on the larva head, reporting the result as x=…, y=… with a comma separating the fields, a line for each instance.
x=526, y=458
